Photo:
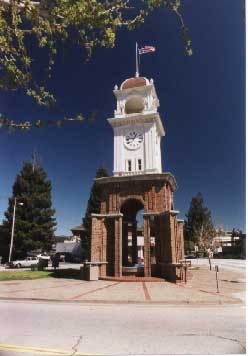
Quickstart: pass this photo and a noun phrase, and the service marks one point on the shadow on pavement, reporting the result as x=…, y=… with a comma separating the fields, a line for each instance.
x=66, y=273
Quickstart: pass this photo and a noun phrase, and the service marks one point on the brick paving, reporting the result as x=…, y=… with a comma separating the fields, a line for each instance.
x=200, y=288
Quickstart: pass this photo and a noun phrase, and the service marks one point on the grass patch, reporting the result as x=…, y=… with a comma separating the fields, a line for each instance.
x=29, y=275
x=194, y=268
x=22, y=275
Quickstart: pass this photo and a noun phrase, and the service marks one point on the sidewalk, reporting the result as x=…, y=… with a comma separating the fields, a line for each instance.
x=200, y=289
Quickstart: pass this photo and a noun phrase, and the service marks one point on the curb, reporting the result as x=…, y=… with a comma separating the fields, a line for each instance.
x=181, y=302
x=42, y=350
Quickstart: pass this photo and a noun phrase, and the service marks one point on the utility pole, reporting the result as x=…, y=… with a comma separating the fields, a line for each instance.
x=12, y=230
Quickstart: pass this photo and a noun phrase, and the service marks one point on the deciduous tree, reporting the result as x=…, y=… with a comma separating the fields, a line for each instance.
x=198, y=225
x=31, y=30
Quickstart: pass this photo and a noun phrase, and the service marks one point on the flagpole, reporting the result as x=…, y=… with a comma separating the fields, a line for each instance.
x=137, y=64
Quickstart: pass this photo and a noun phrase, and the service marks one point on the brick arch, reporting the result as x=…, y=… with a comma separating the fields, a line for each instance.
x=130, y=207
x=139, y=198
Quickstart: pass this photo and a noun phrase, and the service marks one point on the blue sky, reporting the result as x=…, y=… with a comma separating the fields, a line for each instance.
x=202, y=105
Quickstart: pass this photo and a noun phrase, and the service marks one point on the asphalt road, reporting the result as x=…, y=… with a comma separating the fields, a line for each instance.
x=120, y=329
x=224, y=263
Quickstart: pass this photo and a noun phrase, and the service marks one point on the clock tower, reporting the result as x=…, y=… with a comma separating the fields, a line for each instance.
x=137, y=128
x=138, y=185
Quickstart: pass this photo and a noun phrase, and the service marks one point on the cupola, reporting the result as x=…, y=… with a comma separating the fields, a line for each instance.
x=134, y=83
x=136, y=95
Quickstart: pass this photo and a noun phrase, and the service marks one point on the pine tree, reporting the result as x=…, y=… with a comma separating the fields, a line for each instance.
x=198, y=226
x=34, y=220
x=94, y=204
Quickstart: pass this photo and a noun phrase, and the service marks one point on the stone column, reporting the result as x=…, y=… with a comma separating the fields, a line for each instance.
x=96, y=239
x=173, y=223
x=134, y=243
x=118, y=246
x=167, y=233
x=180, y=239
x=103, y=267
x=147, y=243
x=125, y=243
x=157, y=239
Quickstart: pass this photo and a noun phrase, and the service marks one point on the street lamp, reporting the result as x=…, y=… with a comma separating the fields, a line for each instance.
x=13, y=229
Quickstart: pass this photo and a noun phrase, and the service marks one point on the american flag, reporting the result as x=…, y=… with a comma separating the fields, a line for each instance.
x=146, y=49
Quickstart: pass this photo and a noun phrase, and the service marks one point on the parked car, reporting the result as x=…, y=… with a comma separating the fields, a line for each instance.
x=189, y=256
x=44, y=257
x=27, y=262
x=61, y=258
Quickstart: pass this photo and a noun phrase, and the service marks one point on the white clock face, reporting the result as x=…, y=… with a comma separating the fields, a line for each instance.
x=133, y=139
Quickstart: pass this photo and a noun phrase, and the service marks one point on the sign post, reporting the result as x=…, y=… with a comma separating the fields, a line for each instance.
x=196, y=253
x=185, y=273
x=216, y=273
x=210, y=255
x=209, y=260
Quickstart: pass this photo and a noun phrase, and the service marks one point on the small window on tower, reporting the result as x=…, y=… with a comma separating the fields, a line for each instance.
x=129, y=165
x=139, y=165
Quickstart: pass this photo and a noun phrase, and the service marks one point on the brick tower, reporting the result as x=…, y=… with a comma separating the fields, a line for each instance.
x=137, y=184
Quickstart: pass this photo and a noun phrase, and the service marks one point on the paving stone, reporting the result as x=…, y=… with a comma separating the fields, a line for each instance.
x=200, y=288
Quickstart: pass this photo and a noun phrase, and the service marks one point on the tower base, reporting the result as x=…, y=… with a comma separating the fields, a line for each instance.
x=114, y=230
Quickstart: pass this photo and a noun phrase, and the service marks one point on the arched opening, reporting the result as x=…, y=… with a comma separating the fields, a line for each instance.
x=130, y=208
x=134, y=105
x=140, y=238
x=132, y=237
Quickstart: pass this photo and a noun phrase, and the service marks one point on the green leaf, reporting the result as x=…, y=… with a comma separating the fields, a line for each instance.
x=93, y=116
x=59, y=123
x=39, y=124
x=79, y=117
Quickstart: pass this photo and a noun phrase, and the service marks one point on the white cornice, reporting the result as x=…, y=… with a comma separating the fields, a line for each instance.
x=174, y=212
x=138, y=118
x=113, y=215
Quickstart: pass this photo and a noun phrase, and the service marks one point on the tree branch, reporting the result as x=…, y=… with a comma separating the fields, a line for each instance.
x=20, y=4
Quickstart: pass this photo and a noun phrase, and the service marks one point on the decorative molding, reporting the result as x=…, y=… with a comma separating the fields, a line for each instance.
x=163, y=177
x=111, y=215
x=152, y=213
x=139, y=118
x=174, y=212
